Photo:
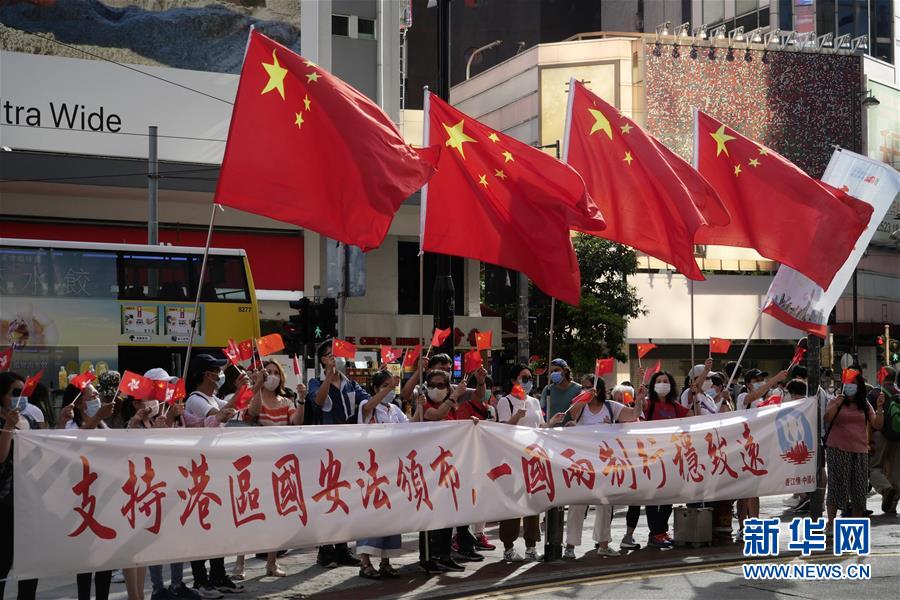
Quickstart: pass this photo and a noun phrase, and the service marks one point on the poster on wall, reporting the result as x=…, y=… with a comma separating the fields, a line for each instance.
x=140, y=320
x=178, y=322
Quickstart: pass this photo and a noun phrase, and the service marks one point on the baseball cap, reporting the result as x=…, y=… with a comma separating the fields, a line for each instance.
x=754, y=374
x=159, y=374
x=559, y=362
x=206, y=362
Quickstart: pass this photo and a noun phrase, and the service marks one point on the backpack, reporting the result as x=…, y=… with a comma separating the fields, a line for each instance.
x=891, y=427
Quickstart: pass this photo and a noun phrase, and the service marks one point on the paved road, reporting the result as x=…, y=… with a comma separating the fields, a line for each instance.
x=306, y=579
x=718, y=583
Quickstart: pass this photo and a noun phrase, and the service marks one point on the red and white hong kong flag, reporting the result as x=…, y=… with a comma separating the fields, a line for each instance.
x=5, y=359
x=83, y=380
x=389, y=355
x=136, y=386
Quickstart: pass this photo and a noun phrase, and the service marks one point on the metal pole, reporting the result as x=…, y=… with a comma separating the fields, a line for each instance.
x=522, y=330
x=190, y=346
x=813, y=360
x=692, y=324
x=343, y=287
x=152, y=188
x=555, y=515
x=853, y=349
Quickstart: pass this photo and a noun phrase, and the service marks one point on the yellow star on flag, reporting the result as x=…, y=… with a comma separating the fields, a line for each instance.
x=763, y=151
x=626, y=128
x=737, y=170
x=312, y=77
x=307, y=102
x=482, y=180
x=298, y=121
x=601, y=123
x=754, y=162
x=457, y=137
x=628, y=158
x=494, y=137
x=721, y=139
x=276, y=76
x=499, y=174
x=310, y=63
x=507, y=156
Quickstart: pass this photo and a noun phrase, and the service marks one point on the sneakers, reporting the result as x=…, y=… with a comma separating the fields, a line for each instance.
x=569, y=553
x=179, y=590
x=432, y=567
x=628, y=543
x=802, y=506
x=512, y=556
x=347, y=559
x=889, y=501
x=227, y=586
x=162, y=594
x=607, y=552
x=117, y=576
x=659, y=540
x=482, y=543
x=451, y=565
x=208, y=591
x=467, y=556
x=325, y=559
x=531, y=554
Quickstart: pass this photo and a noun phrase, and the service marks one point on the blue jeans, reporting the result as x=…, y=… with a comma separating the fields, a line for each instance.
x=176, y=570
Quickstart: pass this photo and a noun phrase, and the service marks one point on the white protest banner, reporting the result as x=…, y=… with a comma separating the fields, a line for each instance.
x=93, y=500
x=793, y=298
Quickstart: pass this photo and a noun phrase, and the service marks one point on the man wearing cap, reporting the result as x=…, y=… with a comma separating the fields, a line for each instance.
x=557, y=395
x=758, y=385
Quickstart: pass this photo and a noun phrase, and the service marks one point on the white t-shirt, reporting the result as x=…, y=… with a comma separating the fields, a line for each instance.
x=708, y=404
x=34, y=412
x=199, y=404
x=588, y=417
x=384, y=413
x=508, y=405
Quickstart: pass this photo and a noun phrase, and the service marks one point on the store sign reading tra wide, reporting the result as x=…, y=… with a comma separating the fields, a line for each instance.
x=67, y=105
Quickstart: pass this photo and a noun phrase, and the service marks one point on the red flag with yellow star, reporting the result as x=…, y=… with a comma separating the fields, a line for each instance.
x=306, y=148
x=652, y=199
x=776, y=209
x=498, y=200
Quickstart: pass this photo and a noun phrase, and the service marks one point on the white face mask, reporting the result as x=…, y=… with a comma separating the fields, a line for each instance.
x=706, y=386
x=662, y=388
x=91, y=407
x=340, y=365
x=153, y=405
x=389, y=397
x=527, y=386
x=436, y=394
x=272, y=382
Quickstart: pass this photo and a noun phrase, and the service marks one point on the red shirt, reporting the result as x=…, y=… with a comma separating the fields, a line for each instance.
x=450, y=416
x=664, y=410
x=472, y=409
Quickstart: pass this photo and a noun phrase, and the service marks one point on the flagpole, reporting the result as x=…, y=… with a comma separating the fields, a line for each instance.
x=692, y=322
x=747, y=343
x=552, y=316
x=190, y=346
x=694, y=158
x=423, y=205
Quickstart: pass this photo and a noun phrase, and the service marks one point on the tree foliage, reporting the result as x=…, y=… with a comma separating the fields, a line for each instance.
x=596, y=328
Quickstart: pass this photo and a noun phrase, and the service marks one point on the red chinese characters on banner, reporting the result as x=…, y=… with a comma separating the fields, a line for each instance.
x=244, y=506
x=411, y=481
x=538, y=472
x=148, y=500
x=196, y=496
x=648, y=460
x=750, y=455
x=581, y=471
x=89, y=505
x=617, y=468
x=716, y=450
x=448, y=477
x=288, y=488
x=331, y=483
x=371, y=489
x=686, y=458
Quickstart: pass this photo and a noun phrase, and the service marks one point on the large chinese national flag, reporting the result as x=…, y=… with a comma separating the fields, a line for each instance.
x=776, y=208
x=652, y=199
x=306, y=148
x=498, y=200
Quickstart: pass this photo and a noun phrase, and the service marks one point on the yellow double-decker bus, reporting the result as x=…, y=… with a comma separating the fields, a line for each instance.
x=80, y=305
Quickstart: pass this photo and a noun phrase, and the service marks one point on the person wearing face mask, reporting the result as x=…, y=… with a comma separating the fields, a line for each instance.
x=662, y=403
x=12, y=406
x=757, y=387
x=516, y=407
x=379, y=409
x=440, y=362
x=698, y=384
x=332, y=399
x=557, y=396
x=848, y=419
x=884, y=467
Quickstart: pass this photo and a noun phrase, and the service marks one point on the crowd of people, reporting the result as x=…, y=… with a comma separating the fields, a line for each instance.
x=861, y=432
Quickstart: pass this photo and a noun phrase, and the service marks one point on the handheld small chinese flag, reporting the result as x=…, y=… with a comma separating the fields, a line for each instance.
x=343, y=349
x=719, y=345
x=176, y=392
x=160, y=390
x=439, y=337
x=242, y=397
x=849, y=376
x=518, y=392
x=389, y=355
x=652, y=371
x=798, y=355
x=604, y=366
x=136, y=386
x=81, y=381
x=644, y=349
x=245, y=350
x=881, y=375
x=232, y=352
x=31, y=383
x=628, y=398
x=5, y=359
x=771, y=401
x=412, y=354
x=473, y=361
x=583, y=397
x=295, y=362
x=484, y=340
x=270, y=344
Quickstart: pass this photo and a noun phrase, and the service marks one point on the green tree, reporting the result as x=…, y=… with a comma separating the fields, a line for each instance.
x=596, y=328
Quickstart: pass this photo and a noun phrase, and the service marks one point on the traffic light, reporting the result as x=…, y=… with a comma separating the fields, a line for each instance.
x=301, y=321
x=328, y=318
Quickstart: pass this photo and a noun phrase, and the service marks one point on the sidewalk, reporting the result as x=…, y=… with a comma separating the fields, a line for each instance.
x=306, y=579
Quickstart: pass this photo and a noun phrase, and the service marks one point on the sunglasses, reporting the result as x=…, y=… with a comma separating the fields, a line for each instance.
x=437, y=386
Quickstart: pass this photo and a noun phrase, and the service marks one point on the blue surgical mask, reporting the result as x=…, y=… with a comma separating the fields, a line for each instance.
x=91, y=407
x=487, y=396
x=526, y=386
x=850, y=389
x=556, y=377
x=18, y=403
